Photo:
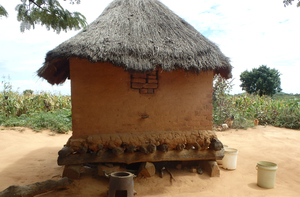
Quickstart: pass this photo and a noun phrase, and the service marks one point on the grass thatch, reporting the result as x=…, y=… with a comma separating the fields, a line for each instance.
x=138, y=35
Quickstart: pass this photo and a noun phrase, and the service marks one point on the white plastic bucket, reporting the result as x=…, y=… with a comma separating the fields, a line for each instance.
x=266, y=174
x=230, y=158
x=220, y=161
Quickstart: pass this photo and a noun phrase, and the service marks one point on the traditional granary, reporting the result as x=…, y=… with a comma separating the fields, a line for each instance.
x=141, y=87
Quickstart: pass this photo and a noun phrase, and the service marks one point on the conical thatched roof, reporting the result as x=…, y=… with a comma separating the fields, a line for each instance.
x=138, y=35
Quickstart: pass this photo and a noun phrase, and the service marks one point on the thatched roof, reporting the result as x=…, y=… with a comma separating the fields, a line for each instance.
x=138, y=35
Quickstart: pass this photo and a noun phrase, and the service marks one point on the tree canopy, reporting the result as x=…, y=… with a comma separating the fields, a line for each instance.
x=261, y=81
x=3, y=12
x=289, y=2
x=49, y=13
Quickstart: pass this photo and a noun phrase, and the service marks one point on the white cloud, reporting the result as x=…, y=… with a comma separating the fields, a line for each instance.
x=39, y=85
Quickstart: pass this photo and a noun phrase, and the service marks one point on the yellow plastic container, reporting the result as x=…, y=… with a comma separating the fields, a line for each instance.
x=266, y=174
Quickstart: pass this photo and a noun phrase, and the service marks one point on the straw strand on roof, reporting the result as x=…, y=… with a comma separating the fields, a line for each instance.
x=138, y=35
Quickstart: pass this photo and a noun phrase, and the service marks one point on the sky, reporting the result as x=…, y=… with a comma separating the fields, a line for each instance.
x=251, y=33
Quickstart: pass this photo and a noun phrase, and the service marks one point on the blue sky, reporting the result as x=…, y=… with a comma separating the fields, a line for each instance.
x=250, y=33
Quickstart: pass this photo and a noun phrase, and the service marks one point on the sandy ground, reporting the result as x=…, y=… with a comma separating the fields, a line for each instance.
x=27, y=157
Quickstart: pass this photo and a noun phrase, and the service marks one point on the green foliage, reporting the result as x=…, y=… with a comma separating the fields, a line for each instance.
x=3, y=12
x=28, y=92
x=280, y=112
x=37, y=111
x=261, y=81
x=49, y=13
x=289, y=2
x=221, y=90
x=58, y=120
x=285, y=96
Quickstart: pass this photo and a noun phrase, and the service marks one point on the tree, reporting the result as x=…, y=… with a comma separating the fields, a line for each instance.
x=3, y=12
x=289, y=2
x=27, y=92
x=49, y=13
x=261, y=81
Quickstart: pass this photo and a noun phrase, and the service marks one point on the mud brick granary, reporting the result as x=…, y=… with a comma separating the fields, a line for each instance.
x=141, y=87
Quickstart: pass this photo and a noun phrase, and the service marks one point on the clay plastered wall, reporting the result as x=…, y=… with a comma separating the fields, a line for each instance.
x=104, y=102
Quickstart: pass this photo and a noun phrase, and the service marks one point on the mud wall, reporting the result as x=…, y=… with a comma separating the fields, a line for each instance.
x=104, y=102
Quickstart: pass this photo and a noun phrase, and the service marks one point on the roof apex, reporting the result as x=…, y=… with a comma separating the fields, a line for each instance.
x=138, y=35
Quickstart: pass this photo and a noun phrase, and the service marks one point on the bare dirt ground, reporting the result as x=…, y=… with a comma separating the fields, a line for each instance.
x=27, y=157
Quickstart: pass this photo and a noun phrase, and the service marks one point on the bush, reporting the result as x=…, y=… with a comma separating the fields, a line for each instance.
x=221, y=100
x=37, y=111
x=282, y=112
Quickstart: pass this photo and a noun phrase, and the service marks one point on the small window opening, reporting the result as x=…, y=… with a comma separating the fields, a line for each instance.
x=145, y=82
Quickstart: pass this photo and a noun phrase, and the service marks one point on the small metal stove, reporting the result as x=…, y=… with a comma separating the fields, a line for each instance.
x=121, y=184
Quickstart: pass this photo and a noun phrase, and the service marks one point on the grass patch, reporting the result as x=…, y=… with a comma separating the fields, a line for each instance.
x=36, y=111
x=59, y=121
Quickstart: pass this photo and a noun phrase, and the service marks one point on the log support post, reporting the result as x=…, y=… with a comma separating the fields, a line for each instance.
x=143, y=155
x=35, y=188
